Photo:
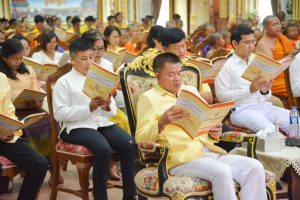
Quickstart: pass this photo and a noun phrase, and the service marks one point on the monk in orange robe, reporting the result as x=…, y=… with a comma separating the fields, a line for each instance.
x=277, y=46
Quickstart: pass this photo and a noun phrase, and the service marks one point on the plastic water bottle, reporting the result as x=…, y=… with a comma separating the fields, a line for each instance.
x=294, y=122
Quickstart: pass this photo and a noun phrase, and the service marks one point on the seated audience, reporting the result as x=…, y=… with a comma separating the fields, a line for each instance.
x=97, y=23
x=152, y=39
x=251, y=109
x=291, y=33
x=49, y=46
x=19, y=29
x=119, y=21
x=4, y=24
x=131, y=30
x=280, y=16
x=68, y=22
x=179, y=24
x=50, y=21
x=151, y=20
x=25, y=22
x=25, y=44
x=111, y=20
x=284, y=24
x=176, y=17
x=146, y=24
x=57, y=23
x=39, y=22
x=88, y=24
x=257, y=34
x=75, y=26
x=208, y=29
x=124, y=41
x=2, y=37
x=46, y=28
x=217, y=41
x=85, y=122
x=112, y=36
x=226, y=36
x=21, y=77
x=170, y=24
x=294, y=76
x=18, y=151
x=247, y=23
x=197, y=157
x=11, y=23
x=137, y=26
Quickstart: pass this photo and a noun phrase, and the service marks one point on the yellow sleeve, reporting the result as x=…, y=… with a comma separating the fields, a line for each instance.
x=147, y=122
x=205, y=88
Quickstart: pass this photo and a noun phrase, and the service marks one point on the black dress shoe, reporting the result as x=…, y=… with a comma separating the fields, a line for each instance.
x=278, y=186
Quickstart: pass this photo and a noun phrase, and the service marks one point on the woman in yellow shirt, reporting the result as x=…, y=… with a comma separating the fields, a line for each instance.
x=112, y=35
x=119, y=21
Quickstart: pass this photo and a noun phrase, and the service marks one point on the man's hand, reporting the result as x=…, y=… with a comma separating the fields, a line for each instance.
x=8, y=138
x=294, y=52
x=268, y=86
x=257, y=85
x=169, y=117
x=96, y=102
x=216, y=132
x=33, y=104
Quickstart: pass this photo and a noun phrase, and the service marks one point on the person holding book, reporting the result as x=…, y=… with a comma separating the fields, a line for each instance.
x=88, y=24
x=99, y=47
x=276, y=46
x=19, y=29
x=152, y=38
x=251, y=109
x=49, y=53
x=217, y=41
x=294, y=76
x=75, y=26
x=291, y=33
x=39, y=22
x=112, y=35
x=18, y=151
x=22, y=77
x=226, y=36
x=198, y=157
x=85, y=121
x=119, y=21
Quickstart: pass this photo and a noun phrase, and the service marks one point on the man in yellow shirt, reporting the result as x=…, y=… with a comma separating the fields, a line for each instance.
x=197, y=157
x=75, y=26
x=39, y=22
x=18, y=151
x=88, y=24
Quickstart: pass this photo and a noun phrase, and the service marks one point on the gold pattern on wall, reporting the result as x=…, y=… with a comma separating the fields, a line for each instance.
x=6, y=9
x=296, y=10
x=99, y=10
x=223, y=8
x=239, y=6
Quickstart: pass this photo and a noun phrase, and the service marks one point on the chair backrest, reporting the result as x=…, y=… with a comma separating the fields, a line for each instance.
x=201, y=45
x=194, y=40
x=138, y=77
x=51, y=80
x=289, y=89
x=35, y=49
x=219, y=53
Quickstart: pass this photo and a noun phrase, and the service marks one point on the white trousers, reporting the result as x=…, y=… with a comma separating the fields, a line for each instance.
x=220, y=170
x=258, y=116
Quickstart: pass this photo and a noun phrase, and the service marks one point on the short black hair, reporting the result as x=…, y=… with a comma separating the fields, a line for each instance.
x=20, y=37
x=153, y=33
x=280, y=15
x=89, y=19
x=49, y=20
x=116, y=15
x=150, y=16
x=23, y=18
x=110, y=17
x=3, y=20
x=176, y=16
x=68, y=17
x=160, y=60
x=75, y=20
x=57, y=18
x=238, y=31
x=12, y=21
x=171, y=36
x=92, y=36
x=79, y=45
x=38, y=18
x=109, y=29
x=288, y=28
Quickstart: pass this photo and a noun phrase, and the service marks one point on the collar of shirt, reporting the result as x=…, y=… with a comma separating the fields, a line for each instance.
x=161, y=91
x=236, y=59
x=78, y=74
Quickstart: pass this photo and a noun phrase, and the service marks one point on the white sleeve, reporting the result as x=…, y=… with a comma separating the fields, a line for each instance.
x=62, y=110
x=37, y=57
x=295, y=76
x=222, y=86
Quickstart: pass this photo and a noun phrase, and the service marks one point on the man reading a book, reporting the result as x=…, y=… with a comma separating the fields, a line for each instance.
x=197, y=157
x=277, y=46
x=18, y=151
x=251, y=109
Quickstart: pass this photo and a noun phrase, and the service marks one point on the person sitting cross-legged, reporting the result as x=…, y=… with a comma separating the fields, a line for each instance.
x=197, y=157
x=251, y=109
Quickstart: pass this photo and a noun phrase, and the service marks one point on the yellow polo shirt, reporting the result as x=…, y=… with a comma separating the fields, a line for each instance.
x=122, y=25
x=85, y=28
x=6, y=106
x=151, y=106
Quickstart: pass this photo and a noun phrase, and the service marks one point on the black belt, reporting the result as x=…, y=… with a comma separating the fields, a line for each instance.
x=231, y=110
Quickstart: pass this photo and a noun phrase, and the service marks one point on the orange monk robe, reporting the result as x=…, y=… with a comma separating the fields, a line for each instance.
x=294, y=43
x=187, y=53
x=130, y=47
x=298, y=38
x=282, y=48
x=228, y=47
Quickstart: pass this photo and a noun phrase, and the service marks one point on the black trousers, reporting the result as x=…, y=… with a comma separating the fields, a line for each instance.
x=100, y=142
x=35, y=164
x=227, y=146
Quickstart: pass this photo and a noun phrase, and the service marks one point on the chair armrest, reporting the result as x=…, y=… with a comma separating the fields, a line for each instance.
x=233, y=136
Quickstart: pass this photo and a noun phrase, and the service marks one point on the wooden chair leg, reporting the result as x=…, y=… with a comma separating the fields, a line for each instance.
x=37, y=195
x=55, y=177
x=65, y=165
x=22, y=174
x=83, y=173
x=10, y=184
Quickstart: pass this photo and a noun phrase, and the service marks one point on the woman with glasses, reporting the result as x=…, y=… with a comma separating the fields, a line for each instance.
x=49, y=53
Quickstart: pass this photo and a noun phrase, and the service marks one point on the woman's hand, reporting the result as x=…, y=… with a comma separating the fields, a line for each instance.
x=96, y=102
x=216, y=131
x=33, y=104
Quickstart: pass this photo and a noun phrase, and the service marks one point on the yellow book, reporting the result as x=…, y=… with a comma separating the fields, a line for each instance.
x=200, y=117
x=137, y=37
x=99, y=82
x=9, y=125
x=202, y=66
x=28, y=95
x=65, y=35
x=216, y=68
x=116, y=58
x=265, y=67
x=129, y=57
x=42, y=70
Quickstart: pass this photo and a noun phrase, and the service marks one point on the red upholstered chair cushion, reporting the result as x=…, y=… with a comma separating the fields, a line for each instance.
x=73, y=148
x=244, y=130
x=5, y=162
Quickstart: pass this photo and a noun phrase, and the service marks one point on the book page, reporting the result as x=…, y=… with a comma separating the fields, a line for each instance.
x=61, y=34
x=30, y=36
x=284, y=65
x=8, y=125
x=213, y=73
x=195, y=112
x=99, y=82
x=110, y=56
x=137, y=37
x=28, y=95
x=202, y=66
x=119, y=60
x=64, y=59
x=129, y=57
x=31, y=119
x=261, y=66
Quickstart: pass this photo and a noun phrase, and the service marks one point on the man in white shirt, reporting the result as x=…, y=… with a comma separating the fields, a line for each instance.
x=251, y=109
x=295, y=74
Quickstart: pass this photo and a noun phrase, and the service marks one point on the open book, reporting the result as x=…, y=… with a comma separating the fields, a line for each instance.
x=30, y=36
x=265, y=67
x=129, y=57
x=9, y=125
x=115, y=58
x=64, y=58
x=139, y=37
x=65, y=35
x=28, y=95
x=199, y=117
x=208, y=72
x=99, y=82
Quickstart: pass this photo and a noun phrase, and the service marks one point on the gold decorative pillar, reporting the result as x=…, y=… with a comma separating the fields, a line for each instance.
x=223, y=8
x=296, y=10
x=100, y=10
x=6, y=9
x=137, y=11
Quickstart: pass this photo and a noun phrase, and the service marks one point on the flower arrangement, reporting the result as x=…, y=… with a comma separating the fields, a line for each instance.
x=254, y=17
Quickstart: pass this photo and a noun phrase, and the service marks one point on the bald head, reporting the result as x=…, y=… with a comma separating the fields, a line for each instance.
x=213, y=38
x=267, y=20
x=247, y=23
x=281, y=16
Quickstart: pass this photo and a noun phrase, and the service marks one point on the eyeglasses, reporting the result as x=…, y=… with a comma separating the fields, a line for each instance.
x=248, y=42
x=98, y=50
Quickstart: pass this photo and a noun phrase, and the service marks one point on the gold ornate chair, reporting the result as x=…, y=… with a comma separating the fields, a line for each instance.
x=152, y=179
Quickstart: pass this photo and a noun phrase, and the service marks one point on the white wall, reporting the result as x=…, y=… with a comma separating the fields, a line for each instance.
x=180, y=7
x=145, y=9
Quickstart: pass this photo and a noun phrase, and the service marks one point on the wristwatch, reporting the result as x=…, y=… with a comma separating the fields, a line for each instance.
x=265, y=93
